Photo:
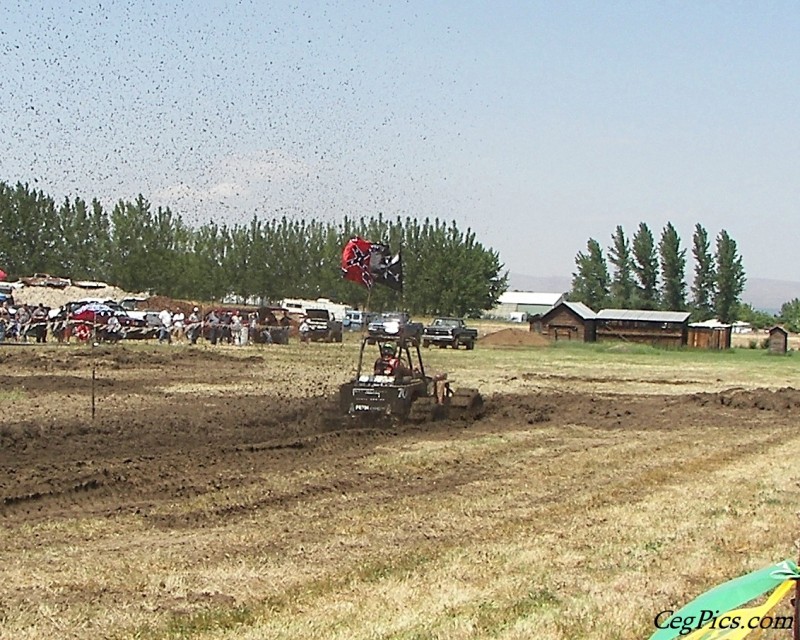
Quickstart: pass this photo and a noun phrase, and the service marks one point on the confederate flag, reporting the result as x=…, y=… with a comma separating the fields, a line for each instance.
x=356, y=261
x=368, y=262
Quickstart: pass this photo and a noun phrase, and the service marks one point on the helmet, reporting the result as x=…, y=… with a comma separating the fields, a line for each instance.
x=387, y=350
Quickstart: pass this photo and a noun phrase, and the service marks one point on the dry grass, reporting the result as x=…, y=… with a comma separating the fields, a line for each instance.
x=549, y=531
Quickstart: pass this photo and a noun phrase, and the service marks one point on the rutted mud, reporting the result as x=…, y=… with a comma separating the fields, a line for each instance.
x=148, y=446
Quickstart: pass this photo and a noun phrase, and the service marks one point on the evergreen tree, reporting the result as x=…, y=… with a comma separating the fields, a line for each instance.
x=622, y=284
x=590, y=283
x=29, y=228
x=645, y=266
x=730, y=278
x=130, y=223
x=673, y=267
x=704, y=283
x=99, y=230
x=446, y=270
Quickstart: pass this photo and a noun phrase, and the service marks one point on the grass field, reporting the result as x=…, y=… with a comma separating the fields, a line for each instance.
x=212, y=498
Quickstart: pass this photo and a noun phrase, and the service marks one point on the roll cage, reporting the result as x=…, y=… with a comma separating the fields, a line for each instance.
x=407, y=348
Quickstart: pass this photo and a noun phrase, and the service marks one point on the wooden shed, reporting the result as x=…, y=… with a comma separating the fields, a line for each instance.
x=658, y=328
x=711, y=334
x=778, y=340
x=569, y=321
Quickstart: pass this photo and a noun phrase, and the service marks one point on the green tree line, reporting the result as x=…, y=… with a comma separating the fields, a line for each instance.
x=139, y=247
x=646, y=274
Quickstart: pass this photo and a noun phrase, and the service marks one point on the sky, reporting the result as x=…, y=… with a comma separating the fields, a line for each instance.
x=538, y=125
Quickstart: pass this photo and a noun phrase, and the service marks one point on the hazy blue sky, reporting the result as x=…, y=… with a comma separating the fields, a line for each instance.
x=538, y=124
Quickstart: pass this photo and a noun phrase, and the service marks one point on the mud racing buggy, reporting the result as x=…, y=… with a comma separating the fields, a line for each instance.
x=408, y=393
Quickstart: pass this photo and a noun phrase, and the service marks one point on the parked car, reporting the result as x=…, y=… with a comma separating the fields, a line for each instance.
x=354, y=320
x=394, y=323
x=46, y=280
x=91, y=319
x=449, y=332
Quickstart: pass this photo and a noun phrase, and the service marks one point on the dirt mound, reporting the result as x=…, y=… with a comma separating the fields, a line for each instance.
x=764, y=399
x=514, y=338
x=157, y=303
x=55, y=298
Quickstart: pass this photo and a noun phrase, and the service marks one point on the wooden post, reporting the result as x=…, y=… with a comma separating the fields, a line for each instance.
x=94, y=377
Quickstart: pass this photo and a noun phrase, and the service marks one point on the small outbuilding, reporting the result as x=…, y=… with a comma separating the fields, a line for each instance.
x=657, y=328
x=569, y=321
x=778, y=340
x=711, y=334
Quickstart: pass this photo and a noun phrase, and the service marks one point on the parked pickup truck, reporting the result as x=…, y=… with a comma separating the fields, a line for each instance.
x=449, y=332
x=323, y=326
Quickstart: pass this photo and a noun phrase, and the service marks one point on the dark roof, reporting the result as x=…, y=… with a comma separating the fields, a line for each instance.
x=779, y=328
x=580, y=309
x=640, y=315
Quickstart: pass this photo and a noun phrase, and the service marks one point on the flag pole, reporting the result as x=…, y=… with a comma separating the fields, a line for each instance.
x=365, y=322
x=402, y=277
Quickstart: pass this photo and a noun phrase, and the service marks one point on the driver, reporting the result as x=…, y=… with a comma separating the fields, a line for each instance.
x=389, y=364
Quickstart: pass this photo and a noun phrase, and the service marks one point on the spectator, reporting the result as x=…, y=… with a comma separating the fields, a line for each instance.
x=4, y=320
x=39, y=323
x=305, y=331
x=23, y=321
x=225, y=326
x=194, y=326
x=252, y=327
x=165, y=328
x=113, y=329
x=236, y=329
x=58, y=324
x=178, y=325
x=12, y=331
x=212, y=320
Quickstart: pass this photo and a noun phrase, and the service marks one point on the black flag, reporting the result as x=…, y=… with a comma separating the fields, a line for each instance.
x=390, y=272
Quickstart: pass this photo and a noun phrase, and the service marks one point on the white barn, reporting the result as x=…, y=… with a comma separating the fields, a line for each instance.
x=518, y=305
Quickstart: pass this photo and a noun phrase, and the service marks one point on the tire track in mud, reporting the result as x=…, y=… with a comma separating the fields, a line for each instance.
x=133, y=463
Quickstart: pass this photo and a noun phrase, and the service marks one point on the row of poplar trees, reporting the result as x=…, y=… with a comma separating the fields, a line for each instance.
x=140, y=248
x=646, y=275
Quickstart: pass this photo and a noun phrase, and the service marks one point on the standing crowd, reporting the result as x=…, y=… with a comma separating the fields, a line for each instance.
x=23, y=322
x=220, y=327
x=29, y=323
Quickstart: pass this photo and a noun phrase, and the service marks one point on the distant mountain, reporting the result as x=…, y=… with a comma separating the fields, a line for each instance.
x=764, y=294
x=552, y=284
x=768, y=295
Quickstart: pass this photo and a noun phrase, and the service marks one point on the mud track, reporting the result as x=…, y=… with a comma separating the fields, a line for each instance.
x=149, y=445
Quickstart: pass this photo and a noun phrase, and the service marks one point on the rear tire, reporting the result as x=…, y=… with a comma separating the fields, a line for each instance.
x=470, y=345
